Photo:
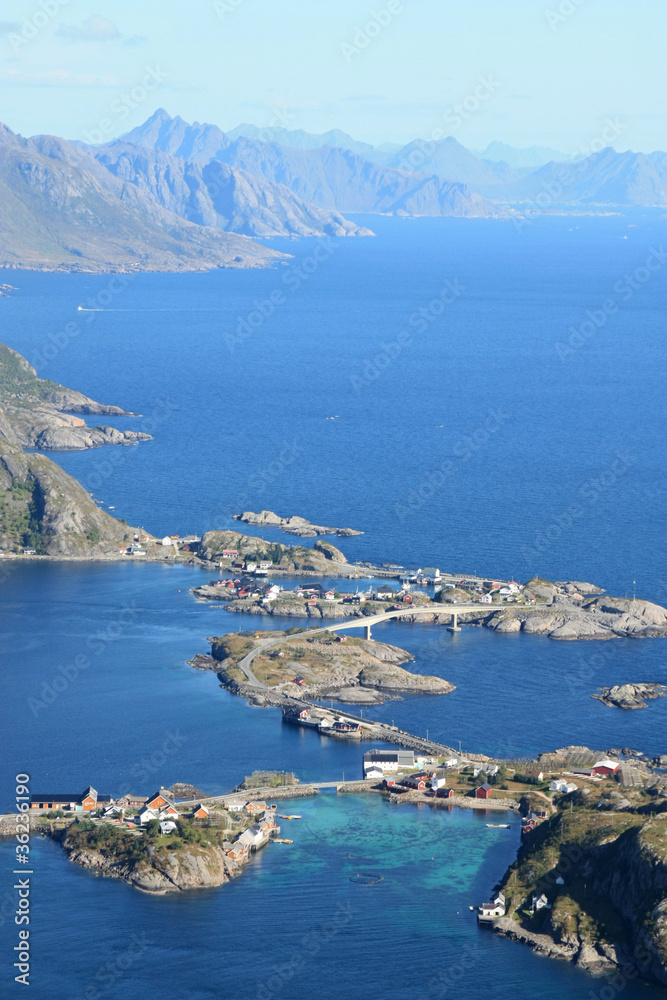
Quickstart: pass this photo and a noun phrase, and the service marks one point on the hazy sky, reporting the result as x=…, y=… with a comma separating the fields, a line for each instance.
x=523, y=71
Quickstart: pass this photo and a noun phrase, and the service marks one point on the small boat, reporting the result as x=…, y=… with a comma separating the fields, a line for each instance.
x=499, y=826
x=288, y=817
x=282, y=840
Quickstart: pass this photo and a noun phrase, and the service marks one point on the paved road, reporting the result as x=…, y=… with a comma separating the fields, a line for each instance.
x=363, y=622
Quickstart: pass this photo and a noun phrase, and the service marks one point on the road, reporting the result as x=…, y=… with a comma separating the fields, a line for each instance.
x=363, y=622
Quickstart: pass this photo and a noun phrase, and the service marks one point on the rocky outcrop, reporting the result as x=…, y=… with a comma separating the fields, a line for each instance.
x=285, y=557
x=293, y=525
x=599, y=618
x=630, y=696
x=192, y=867
x=41, y=412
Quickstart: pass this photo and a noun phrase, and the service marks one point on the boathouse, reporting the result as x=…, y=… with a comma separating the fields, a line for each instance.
x=483, y=791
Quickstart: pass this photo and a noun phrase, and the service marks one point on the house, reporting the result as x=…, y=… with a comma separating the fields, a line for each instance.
x=160, y=803
x=485, y=599
x=330, y=595
x=254, y=837
x=451, y=762
x=535, y=774
x=200, y=812
x=166, y=540
x=488, y=769
x=373, y=772
x=236, y=851
x=264, y=564
x=540, y=902
x=384, y=593
x=340, y=638
x=85, y=801
x=444, y=793
x=29, y=552
x=494, y=908
x=344, y=726
x=167, y=826
x=111, y=811
x=418, y=780
x=561, y=785
x=390, y=760
x=483, y=792
x=146, y=815
x=129, y=801
x=230, y=553
x=255, y=808
x=605, y=767
x=299, y=680
x=584, y=772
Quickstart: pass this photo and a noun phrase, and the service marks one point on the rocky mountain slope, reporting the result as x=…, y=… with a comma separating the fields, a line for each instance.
x=601, y=862
x=330, y=177
x=61, y=210
x=41, y=411
x=41, y=506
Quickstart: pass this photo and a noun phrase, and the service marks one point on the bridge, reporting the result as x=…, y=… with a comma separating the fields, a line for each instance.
x=365, y=622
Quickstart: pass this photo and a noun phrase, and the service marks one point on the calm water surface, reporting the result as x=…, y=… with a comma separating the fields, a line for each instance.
x=480, y=447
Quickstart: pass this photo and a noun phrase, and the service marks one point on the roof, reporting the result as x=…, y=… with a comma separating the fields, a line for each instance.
x=57, y=797
x=486, y=787
x=613, y=764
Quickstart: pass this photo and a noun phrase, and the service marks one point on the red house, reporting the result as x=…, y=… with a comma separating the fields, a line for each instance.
x=200, y=812
x=605, y=767
x=445, y=793
x=483, y=792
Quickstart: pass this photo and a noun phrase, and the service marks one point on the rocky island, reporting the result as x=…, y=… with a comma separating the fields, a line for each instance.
x=292, y=525
x=630, y=696
x=296, y=666
x=590, y=882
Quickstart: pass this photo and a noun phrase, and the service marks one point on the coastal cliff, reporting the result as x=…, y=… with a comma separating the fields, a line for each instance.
x=152, y=863
x=41, y=506
x=601, y=864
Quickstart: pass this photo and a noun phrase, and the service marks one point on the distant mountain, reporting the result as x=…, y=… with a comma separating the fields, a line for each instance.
x=604, y=178
x=330, y=177
x=298, y=139
x=531, y=156
x=61, y=210
x=448, y=159
x=218, y=195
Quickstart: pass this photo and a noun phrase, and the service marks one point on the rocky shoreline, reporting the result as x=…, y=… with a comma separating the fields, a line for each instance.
x=630, y=696
x=293, y=525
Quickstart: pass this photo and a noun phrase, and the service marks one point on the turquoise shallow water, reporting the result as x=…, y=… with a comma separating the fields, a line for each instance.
x=293, y=925
x=248, y=428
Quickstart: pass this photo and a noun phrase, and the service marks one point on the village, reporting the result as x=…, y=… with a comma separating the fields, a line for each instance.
x=247, y=821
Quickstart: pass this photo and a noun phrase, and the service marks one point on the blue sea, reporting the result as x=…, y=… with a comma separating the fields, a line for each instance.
x=471, y=396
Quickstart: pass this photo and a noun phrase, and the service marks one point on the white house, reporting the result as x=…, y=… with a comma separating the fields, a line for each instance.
x=373, y=772
x=113, y=810
x=486, y=599
x=146, y=815
x=561, y=785
x=167, y=826
x=540, y=902
x=437, y=783
x=452, y=762
x=495, y=908
x=166, y=540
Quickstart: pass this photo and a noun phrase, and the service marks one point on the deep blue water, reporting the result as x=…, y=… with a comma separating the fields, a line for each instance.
x=478, y=448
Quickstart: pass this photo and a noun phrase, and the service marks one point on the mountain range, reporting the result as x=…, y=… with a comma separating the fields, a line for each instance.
x=169, y=195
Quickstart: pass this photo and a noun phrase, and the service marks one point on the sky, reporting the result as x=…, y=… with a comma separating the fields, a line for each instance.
x=556, y=73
